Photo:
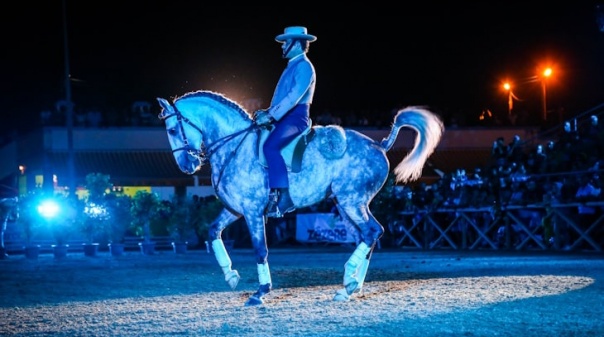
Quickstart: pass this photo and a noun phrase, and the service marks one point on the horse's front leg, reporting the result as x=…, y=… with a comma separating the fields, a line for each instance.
x=225, y=218
x=256, y=225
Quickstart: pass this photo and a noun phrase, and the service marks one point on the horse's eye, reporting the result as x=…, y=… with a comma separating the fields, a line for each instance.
x=172, y=132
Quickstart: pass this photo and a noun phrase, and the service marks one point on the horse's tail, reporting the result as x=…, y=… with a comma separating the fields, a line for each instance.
x=429, y=128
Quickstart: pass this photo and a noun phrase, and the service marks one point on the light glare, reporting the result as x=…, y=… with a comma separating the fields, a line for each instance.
x=48, y=209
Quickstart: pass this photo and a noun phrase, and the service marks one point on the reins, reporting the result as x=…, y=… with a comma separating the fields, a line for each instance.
x=216, y=145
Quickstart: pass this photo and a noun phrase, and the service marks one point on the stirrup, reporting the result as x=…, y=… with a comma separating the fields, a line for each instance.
x=275, y=207
x=275, y=212
x=273, y=201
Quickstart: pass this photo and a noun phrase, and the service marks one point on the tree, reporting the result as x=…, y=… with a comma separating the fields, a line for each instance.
x=182, y=218
x=120, y=217
x=145, y=206
x=206, y=211
x=64, y=223
x=95, y=217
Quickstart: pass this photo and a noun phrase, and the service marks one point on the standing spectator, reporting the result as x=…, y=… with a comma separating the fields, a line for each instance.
x=536, y=161
x=592, y=137
x=566, y=147
x=499, y=152
x=593, y=129
x=568, y=139
x=554, y=158
x=515, y=151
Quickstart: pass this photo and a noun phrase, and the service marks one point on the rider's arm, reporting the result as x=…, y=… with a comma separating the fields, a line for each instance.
x=296, y=86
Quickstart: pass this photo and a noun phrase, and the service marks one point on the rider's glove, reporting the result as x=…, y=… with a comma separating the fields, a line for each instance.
x=263, y=118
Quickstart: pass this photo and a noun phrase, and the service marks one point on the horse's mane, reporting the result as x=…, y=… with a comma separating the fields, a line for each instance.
x=220, y=98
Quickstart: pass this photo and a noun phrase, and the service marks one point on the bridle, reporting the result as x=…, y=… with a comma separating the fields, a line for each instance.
x=199, y=154
x=205, y=152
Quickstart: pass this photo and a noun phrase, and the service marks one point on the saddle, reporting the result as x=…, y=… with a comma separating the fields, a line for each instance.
x=292, y=153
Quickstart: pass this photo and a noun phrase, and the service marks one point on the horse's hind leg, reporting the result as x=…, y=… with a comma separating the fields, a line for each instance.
x=355, y=269
x=224, y=219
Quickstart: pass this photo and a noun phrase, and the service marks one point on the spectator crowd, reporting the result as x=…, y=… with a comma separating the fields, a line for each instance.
x=563, y=171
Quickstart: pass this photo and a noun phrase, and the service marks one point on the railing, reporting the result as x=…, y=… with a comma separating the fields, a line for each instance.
x=161, y=242
x=541, y=227
x=46, y=246
x=16, y=246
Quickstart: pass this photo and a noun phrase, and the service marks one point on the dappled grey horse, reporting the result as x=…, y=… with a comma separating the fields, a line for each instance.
x=205, y=127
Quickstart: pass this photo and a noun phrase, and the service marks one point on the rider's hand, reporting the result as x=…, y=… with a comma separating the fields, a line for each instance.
x=263, y=118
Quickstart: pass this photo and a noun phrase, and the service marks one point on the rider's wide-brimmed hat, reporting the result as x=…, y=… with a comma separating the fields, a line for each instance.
x=295, y=32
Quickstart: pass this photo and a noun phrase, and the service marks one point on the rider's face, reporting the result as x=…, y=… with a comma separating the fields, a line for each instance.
x=290, y=49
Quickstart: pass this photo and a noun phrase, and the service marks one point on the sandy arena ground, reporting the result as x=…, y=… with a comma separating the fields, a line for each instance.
x=407, y=293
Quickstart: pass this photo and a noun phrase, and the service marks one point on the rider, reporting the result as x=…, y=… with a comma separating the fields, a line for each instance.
x=289, y=113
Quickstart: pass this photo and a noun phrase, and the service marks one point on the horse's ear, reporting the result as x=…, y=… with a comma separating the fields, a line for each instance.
x=163, y=103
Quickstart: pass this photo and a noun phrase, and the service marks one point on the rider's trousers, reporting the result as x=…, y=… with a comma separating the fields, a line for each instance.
x=285, y=130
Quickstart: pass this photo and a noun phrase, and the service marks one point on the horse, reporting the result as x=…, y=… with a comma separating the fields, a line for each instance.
x=206, y=127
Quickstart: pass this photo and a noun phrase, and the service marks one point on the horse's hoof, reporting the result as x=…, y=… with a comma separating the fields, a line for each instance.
x=256, y=298
x=341, y=296
x=253, y=301
x=232, y=279
x=352, y=287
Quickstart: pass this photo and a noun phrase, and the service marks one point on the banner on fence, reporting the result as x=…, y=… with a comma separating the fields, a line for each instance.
x=324, y=227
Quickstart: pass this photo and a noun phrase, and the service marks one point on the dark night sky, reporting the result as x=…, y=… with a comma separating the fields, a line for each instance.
x=452, y=58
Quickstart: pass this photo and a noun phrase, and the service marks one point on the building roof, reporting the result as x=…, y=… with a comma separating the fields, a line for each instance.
x=129, y=168
x=158, y=168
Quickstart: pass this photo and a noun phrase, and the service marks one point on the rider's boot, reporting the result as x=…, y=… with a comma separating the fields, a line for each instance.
x=279, y=203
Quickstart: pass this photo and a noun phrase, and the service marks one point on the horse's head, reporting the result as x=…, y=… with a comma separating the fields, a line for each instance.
x=199, y=124
x=186, y=139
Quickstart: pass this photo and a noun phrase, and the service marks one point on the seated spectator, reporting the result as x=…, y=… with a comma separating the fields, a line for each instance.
x=587, y=191
x=422, y=196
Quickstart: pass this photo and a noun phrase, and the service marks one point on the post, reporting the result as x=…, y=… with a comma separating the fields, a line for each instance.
x=510, y=102
x=69, y=117
x=544, y=106
x=546, y=74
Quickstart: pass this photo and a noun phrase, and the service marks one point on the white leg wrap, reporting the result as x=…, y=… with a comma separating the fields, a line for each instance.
x=264, y=274
x=361, y=274
x=352, y=266
x=224, y=261
x=357, y=258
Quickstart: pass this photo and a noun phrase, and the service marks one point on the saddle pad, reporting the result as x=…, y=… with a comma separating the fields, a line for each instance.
x=292, y=152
